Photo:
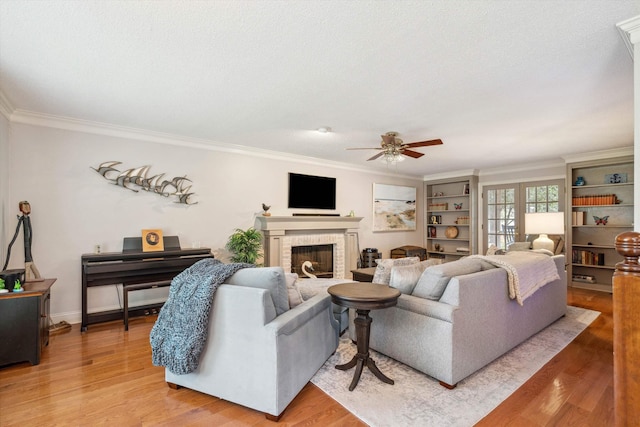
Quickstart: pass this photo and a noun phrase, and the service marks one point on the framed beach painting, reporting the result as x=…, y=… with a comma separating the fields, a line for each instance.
x=394, y=208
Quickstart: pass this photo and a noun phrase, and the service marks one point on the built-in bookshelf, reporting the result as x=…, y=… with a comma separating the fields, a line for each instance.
x=601, y=200
x=450, y=220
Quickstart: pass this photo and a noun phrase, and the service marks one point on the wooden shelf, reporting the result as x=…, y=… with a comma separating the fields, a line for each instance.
x=592, y=240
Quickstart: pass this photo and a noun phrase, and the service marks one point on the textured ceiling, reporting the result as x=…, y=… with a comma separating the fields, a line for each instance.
x=500, y=82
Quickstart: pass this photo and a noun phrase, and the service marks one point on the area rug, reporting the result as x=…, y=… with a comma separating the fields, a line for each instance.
x=418, y=400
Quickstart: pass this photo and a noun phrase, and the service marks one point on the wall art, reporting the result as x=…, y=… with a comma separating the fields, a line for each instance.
x=136, y=179
x=394, y=208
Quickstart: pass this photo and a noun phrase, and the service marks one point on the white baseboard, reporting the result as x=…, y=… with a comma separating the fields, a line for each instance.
x=74, y=317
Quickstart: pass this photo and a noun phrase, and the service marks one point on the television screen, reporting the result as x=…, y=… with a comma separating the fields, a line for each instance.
x=311, y=192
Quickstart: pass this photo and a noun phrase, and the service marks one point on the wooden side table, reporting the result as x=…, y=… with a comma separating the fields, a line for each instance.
x=364, y=297
x=363, y=274
x=24, y=316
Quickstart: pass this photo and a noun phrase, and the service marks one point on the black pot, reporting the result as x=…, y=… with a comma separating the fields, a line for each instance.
x=10, y=277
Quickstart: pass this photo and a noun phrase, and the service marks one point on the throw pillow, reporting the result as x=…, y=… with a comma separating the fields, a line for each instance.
x=405, y=277
x=382, y=274
x=434, y=280
x=295, y=297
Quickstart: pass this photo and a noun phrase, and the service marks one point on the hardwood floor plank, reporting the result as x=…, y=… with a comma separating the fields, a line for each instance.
x=105, y=377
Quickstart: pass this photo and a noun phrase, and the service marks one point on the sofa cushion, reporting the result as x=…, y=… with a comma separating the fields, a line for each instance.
x=519, y=246
x=405, y=277
x=295, y=297
x=434, y=280
x=270, y=278
x=382, y=274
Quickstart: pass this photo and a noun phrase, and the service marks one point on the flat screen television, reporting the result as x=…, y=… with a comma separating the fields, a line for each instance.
x=311, y=192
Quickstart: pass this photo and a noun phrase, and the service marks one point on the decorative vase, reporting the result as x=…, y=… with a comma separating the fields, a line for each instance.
x=580, y=181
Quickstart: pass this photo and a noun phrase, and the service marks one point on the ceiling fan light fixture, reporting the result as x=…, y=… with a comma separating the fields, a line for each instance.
x=324, y=129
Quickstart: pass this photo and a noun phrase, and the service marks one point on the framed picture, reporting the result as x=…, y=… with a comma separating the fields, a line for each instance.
x=152, y=240
x=394, y=208
x=615, y=178
x=432, y=232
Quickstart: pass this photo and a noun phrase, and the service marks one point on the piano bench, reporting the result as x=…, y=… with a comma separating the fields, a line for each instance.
x=137, y=287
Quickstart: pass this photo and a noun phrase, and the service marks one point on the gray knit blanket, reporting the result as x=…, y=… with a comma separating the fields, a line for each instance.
x=180, y=333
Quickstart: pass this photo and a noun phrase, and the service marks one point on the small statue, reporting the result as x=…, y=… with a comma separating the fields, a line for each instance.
x=265, y=208
x=17, y=286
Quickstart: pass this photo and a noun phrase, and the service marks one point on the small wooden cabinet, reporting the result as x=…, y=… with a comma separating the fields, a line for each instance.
x=409, y=251
x=24, y=318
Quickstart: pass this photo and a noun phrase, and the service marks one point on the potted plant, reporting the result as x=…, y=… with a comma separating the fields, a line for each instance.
x=17, y=287
x=2, y=289
x=245, y=245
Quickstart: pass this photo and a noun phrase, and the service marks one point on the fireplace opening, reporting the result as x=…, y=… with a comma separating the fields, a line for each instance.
x=319, y=257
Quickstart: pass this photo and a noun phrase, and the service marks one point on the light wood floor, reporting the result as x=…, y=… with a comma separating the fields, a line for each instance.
x=105, y=377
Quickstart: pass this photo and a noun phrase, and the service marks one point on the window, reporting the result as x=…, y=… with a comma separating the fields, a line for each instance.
x=504, y=207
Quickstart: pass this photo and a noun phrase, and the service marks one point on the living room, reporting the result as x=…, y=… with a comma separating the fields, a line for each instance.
x=47, y=159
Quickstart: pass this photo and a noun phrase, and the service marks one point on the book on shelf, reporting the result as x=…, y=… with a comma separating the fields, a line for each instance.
x=595, y=199
x=585, y=278
x=587, y=257
x=577, y=218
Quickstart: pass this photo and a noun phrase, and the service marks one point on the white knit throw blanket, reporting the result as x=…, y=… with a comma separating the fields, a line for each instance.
x=526, y=271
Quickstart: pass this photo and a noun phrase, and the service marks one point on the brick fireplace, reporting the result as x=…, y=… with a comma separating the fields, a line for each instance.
x=281, y=233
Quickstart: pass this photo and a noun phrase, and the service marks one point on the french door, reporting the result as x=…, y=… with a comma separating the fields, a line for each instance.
x=504, y=207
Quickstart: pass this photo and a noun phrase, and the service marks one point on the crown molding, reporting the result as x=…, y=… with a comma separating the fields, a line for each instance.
x=596, y=155
x=522, y=167
x=6, y=108
x=98, y=128
x=448, y=175
x=630, y=32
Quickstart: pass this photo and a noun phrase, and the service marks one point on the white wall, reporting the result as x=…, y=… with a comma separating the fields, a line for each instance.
x=4, y=185
x=74, y=208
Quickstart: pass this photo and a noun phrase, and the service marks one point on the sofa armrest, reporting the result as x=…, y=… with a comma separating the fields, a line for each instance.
x=435, y=309
x=290, y=321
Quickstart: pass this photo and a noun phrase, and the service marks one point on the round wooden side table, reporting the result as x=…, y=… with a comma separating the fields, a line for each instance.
x=363, y=297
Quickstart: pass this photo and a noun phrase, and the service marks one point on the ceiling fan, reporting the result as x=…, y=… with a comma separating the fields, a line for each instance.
x=392, y=147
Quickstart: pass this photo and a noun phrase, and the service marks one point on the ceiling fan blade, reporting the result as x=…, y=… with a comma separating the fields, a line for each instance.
x=376, y=156
x=424, y=143
x=388, y=139
x=412, y=153
x=364, y=148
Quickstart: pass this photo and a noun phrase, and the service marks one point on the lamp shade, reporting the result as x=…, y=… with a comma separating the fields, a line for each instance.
x=544, y=223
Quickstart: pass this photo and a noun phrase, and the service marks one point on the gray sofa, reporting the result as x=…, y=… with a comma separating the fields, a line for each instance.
x=472, y=323
x=260, y=352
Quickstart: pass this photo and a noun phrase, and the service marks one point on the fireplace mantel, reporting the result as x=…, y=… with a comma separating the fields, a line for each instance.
x=291, y=223
x=280, y=232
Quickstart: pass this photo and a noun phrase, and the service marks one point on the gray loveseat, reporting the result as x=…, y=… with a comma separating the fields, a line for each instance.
x=260, y=352
x=472, y=323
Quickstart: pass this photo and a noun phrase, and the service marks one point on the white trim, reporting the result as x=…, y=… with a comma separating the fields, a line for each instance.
x=523, y=167
x=597, y=155
x=448, y=175
x=630, y=32
x=6, y=108
x=86, y=126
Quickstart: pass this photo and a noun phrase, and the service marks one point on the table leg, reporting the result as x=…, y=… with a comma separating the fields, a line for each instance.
x=361, y=358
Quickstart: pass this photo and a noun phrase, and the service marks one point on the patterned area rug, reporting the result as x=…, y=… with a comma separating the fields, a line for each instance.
x=418, y=400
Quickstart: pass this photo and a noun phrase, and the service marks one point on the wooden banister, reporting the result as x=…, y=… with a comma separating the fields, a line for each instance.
x=626, y=330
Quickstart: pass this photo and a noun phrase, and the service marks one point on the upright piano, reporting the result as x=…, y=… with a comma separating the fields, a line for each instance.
x=133, y=266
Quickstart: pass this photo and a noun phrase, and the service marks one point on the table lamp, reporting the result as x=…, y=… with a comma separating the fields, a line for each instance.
x=544, y=223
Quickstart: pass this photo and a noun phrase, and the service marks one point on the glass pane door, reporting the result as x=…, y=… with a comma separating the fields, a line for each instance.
x=500, y=205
